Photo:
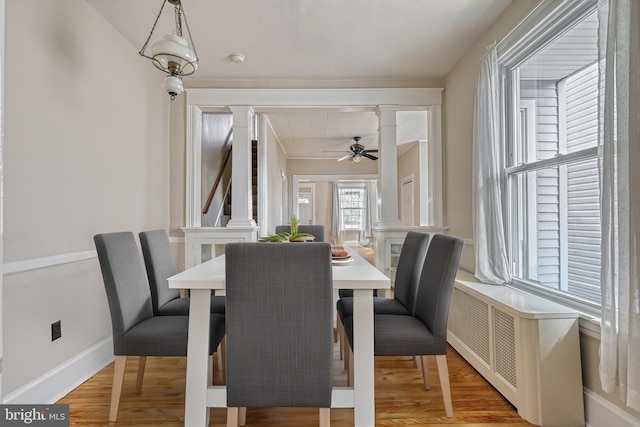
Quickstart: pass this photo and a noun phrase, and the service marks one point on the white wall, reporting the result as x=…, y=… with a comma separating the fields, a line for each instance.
x=85, y=152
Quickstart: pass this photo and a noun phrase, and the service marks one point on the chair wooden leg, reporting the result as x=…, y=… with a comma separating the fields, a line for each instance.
x=210, y=370
x=242, y=416
x=325, y=417
x=142, y=362
x=415, y=361
x=222, y=354
x=340, y=336
x=443, y=373
x=346, y=349
x=232, y=417
x=424, y=362
x=116, y=387
x=344, y=342
x=349, y=360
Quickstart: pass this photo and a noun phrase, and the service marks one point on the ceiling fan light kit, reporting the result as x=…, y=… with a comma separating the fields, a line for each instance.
x=358, y=152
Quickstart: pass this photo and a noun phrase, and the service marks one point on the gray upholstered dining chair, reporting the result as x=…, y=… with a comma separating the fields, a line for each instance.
x=424, y=332
x=279, y=326
x=136, y=331
x=408, y=272
x=314, y=229
x=160, y=264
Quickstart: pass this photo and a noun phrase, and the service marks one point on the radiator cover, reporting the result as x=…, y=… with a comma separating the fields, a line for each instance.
x=528, y=348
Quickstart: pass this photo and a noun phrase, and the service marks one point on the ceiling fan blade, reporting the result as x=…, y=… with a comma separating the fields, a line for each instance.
x=344, y=157
x=369, y=156
x=371, y=151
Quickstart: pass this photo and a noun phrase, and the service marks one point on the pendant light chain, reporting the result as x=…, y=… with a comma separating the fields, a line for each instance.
x=146, y=43
x=186, y=23
x=178, y=17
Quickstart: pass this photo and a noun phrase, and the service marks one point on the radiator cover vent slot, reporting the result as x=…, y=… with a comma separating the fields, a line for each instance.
x=469, y=321
x=505, y=346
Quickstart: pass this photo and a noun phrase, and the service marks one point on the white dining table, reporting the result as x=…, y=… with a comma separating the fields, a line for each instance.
x=359, y=275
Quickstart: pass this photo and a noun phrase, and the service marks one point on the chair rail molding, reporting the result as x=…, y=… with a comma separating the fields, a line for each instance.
x=45, y=262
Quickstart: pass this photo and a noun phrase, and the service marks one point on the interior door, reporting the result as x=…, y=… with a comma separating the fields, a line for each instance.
x=406, y=205
x=306, y=203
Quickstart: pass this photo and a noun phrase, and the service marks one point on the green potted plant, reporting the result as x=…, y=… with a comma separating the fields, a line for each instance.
x=294, y=236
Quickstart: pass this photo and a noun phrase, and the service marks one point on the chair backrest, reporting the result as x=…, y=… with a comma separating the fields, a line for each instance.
x=409, y=268
x=125, y=281
x=436, y=286
x=279, y=321
x=316, y=230
x=160, y=264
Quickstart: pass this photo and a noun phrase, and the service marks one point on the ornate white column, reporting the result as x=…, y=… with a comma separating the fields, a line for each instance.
x=241, y=203
x=388, y=165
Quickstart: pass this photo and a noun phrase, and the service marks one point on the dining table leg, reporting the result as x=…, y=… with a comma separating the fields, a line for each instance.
x=363, y=359
x=196, y=412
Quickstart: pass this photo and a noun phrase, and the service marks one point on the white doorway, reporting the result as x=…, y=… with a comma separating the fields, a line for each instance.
x=406, y=200
x=306, y=203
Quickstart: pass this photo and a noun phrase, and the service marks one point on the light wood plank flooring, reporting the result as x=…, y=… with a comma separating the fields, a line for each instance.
x=401, y=399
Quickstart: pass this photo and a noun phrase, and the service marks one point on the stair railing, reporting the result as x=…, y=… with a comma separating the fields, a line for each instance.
x=227, y=156
x=221, y=210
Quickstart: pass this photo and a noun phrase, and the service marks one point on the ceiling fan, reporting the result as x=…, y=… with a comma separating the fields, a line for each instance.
x=358, y=152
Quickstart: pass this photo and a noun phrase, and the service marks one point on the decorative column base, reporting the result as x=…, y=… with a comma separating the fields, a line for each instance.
x=388, y=244
x=241, y=223
x=204, y=243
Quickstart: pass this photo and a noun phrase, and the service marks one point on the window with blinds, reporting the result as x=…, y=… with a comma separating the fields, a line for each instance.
x=352, y=207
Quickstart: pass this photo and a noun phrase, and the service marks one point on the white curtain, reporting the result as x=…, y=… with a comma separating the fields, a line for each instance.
x=335, y=211
x=619, y=50
x=490, y=248
x=371, y=206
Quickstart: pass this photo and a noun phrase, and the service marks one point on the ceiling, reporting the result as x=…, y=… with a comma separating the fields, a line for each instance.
x=311, y=43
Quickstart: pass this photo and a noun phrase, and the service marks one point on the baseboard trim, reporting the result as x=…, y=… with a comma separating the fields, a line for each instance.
x=57, y=383
x=598, y=411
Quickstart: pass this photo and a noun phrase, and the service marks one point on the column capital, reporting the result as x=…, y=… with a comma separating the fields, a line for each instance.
x=241, y=108
x=380, y=109
x=242, y=115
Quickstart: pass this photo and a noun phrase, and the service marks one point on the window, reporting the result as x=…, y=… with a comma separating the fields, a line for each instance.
x=352, y=208
x=551, y=174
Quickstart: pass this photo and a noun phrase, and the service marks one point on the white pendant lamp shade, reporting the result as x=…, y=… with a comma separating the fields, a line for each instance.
x=172, y=55
x=173, y=86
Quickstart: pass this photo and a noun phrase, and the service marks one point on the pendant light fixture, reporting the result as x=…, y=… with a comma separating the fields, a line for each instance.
x=172, y=54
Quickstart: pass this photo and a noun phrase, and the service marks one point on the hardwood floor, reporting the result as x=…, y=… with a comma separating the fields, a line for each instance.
x=401, y=399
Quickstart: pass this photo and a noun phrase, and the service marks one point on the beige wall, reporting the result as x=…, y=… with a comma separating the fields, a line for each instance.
x=409, y=164
x=85, y=152
x=277, y=165
x=177, y=183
